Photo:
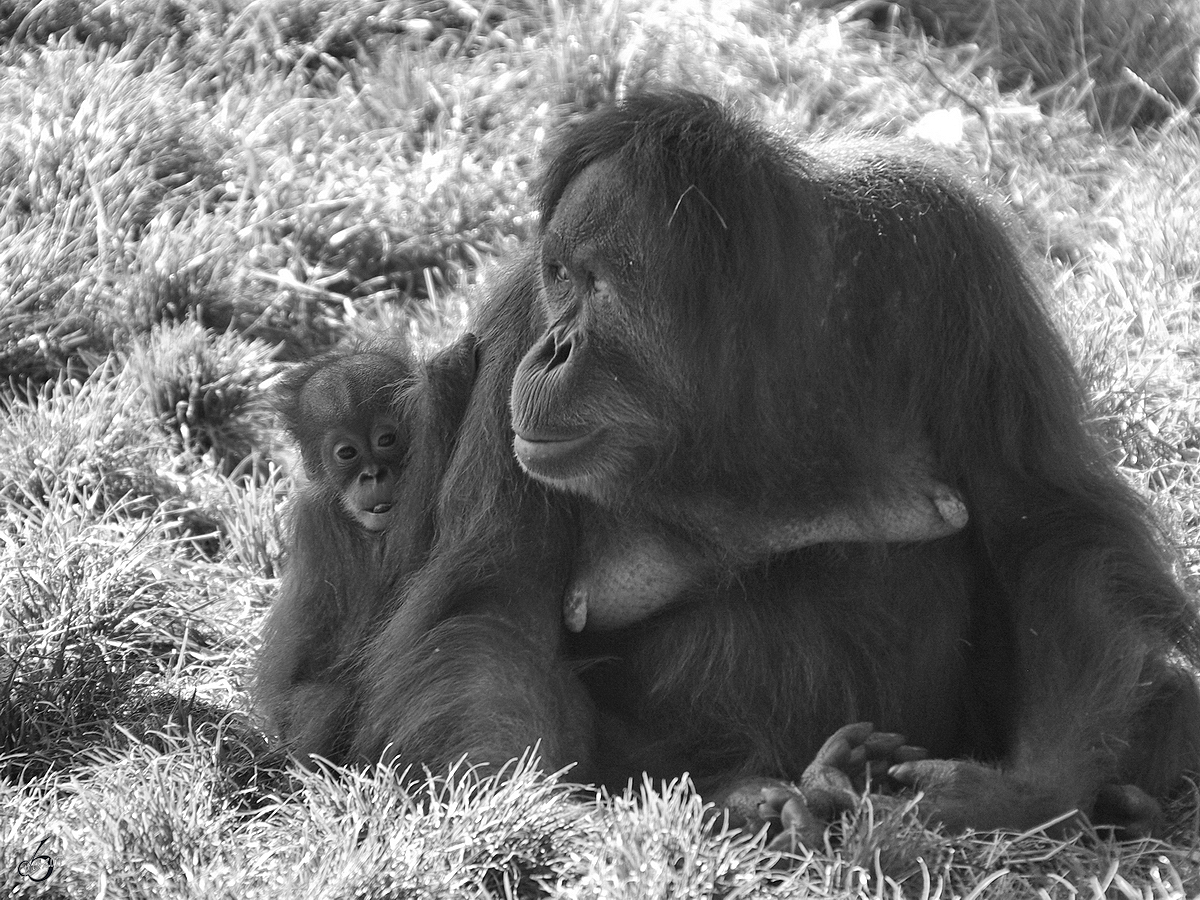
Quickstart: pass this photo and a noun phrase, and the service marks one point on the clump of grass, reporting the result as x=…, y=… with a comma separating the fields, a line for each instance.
x=95, y=446
x=1123, y=61
x=512, y=833
x=84, y=443
x=188, y=264
x=90, y=152
x=248, y=509
x=204, y=267
x=146, y=822
x=664, y=839
x=205, y=390
x=142, y=23
x=80, y=126
x=377, y=226
x=326, y=39
x=376, y=199
x=98, y=606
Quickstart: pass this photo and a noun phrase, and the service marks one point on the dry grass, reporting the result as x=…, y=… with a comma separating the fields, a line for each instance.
x=194, y=192
x=1121, y=61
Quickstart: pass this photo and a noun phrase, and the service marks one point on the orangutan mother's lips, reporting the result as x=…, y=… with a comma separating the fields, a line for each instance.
x=538, y=452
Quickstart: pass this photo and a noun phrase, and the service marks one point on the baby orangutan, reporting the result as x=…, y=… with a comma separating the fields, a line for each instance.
x=375, y=429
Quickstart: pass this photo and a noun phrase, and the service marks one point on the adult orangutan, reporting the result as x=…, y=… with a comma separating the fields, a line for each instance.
x=723, y=331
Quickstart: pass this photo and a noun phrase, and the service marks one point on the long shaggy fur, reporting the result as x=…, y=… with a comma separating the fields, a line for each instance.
x=818, y=301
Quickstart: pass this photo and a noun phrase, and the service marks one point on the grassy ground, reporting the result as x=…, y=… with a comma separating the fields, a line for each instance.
x=195, y=192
